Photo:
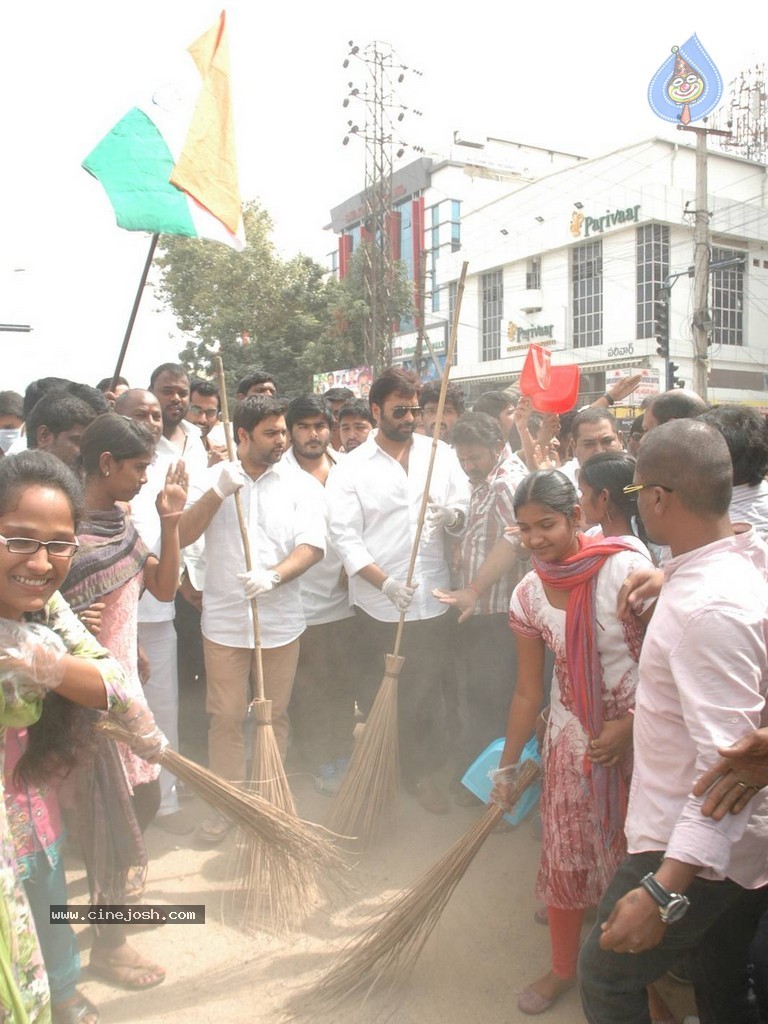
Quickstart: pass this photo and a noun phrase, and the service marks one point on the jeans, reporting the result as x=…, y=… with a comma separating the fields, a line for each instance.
x=717, y=928
x=58, y=943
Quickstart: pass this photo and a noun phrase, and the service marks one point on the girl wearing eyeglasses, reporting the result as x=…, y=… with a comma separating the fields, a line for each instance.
x=43, y=648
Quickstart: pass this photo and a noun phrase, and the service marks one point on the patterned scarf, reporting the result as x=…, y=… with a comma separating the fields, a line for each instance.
x=110, y=554
x=578, y=575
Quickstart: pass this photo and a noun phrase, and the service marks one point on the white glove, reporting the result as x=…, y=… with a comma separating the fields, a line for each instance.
x=258, y=581
x=231, y=479
x=147, y=740
x=398, y=593
x=33, y=652
x=441, y=516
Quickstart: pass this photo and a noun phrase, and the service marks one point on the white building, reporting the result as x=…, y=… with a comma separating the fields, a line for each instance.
x=570, y=253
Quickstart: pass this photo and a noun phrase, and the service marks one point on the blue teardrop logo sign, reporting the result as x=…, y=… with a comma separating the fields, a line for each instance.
x=687, y=86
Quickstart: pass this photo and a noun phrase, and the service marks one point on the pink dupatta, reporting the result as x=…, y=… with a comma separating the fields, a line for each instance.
x=578, y=575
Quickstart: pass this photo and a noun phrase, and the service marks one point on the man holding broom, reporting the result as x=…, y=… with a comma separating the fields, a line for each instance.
x=286, y=528
x=374, y=497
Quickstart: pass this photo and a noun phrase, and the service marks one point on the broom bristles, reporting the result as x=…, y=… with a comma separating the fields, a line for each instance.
x=388, y=948
x=366, y=799
x=298, y=841
x=276, y=893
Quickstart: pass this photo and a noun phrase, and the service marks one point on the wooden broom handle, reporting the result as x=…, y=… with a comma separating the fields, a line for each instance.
x=435, y=440
x=260, y=692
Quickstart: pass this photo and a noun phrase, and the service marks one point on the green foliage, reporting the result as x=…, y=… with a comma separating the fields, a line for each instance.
x=261, y=312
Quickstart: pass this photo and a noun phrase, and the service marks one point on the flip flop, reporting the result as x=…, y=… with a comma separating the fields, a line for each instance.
x=74, y=1012
x=128, y=970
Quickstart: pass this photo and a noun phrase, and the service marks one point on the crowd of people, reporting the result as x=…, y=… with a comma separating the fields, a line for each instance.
x=605, y=590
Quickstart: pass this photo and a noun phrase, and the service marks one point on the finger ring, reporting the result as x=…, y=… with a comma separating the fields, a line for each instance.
x=743, y=785
x=630, y=950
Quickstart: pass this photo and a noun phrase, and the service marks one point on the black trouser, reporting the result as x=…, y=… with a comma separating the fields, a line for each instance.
x=322, y=708
x=717, y=929
x=420, y=707
x=488, y=655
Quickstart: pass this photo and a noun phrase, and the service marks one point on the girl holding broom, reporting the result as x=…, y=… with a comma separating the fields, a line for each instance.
x=44, y=647
x=568, y=603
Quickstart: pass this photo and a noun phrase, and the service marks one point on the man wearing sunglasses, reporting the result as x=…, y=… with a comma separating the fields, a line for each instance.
x=374, y=497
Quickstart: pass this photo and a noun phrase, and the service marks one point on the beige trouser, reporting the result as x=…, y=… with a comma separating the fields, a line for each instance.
x=229, y=671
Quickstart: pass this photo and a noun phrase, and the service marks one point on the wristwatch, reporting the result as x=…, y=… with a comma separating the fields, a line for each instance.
x=609, y=399
x=276, y=578
x=672, y=906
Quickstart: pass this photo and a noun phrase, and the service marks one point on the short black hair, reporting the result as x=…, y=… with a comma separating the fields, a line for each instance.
x=203, y=387
x=637, y=426
x=359, y=409
x=338, y=394
x=746, y=433
x=430, y=392
x=249, y=412
x=306, y=406
x=677, y=405
x=391, y=381
x=92, y=396
x=478, y=428
x=174, y=369
x=593, y=414
x=11, y=404
x=256, y=377
x=692, y=459
x=493, y=402
x=37, y=388
x=105, y=384
x=58, y=410
x=37, y=468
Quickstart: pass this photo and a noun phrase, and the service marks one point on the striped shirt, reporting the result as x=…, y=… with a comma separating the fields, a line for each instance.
x=490, y=514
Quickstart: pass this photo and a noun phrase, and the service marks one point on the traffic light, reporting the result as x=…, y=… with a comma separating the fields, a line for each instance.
x=661, y=324
x=673, y=381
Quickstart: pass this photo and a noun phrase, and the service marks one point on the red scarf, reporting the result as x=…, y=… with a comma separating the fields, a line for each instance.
x=578, y=575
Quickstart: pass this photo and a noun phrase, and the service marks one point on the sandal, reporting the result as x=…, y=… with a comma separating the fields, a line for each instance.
x=74, y=1011
x=127, y=970
x=214, y=829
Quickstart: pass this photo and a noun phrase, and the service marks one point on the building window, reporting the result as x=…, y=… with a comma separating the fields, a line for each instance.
x=652, y=269
x=533, y=274
x=587, y=270
x=491, y=312
x=455, y=225
x=728, y=298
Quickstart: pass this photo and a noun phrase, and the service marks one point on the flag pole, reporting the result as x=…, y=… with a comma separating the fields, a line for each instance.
x=134, y=311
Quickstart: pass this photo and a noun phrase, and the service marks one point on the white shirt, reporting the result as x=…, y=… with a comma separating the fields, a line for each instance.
x=196, y=463
x=703, y=680
x=146, y=519
x=374, y=509
x=282, y=510
x=323, y=596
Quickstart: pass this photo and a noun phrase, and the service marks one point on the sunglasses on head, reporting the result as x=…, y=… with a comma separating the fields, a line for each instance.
x=399, y=411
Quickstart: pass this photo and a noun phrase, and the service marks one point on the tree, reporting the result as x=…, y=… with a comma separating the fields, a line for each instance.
x=344, y=343
x=256, y=310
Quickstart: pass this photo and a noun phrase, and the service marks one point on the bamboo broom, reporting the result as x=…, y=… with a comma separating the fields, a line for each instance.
x=387, y=949
x=297, y=841
x=275, y=887
x=366, y=799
